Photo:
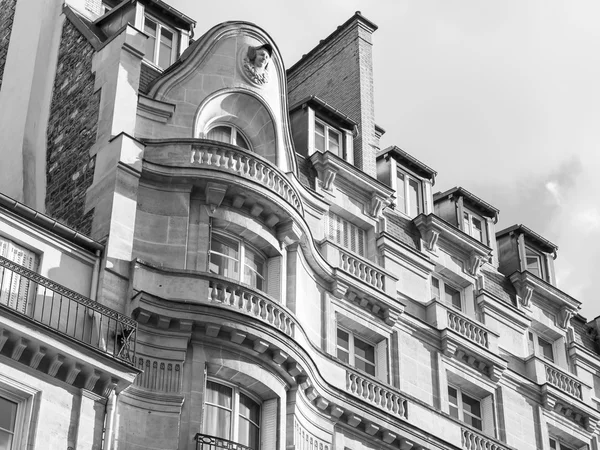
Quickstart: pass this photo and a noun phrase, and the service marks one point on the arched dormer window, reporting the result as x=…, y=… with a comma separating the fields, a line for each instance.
x=229, y=135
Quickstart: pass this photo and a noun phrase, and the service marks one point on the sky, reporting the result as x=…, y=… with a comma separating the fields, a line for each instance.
x=501, y=97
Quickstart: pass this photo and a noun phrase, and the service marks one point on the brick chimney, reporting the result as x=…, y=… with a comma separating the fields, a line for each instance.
x=340, y=71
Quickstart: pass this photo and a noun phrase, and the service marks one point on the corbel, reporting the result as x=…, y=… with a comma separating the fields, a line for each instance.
x=215, y=193
x=328, y=178
x=475, y=264
x=431, y=240
x=564, y=316
x=376, y=206
x=524, y=293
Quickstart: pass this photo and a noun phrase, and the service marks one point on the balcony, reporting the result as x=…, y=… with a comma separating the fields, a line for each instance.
x=562, y=392
x=58, y=309
x=383, y=397
x=224, y=171
x=467, y=340
x=472, y=440
x=206, y=442
x=363, y=282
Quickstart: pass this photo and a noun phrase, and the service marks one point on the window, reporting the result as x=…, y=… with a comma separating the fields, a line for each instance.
x=355, y=351
x=327, y=139
x=344, y=233
x=229, y=135
x=161, y=43
x=541, y=347
x=474, y=226
x=14, y=288
x=226, y=254
x=557, y=445
x=8, y=416
x=465, y=408
x=451, y=296
x=409, y=194
x=535, y=263
x=231, y=414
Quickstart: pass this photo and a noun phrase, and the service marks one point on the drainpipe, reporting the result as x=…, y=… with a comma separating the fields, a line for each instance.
x=109, y=418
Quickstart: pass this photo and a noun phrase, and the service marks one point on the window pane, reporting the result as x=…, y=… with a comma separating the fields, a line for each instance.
x=477, y=230
x=8, y=413
x=452, y=297
x=435, y=288
x=249, y=409
x=221, y=133
x=546, y=349
x=364, y=351
x=248, y=434
x=240, y=141
x=343, y=339
x=473, y=421
x=334, y=142
x=218, y=394
x=217, y=422
x=471, y=406
x=466, y=227
x=454, y=411
x=452, y=396
x=6, y=440
x=166, y=48
x=224, y=256
x=401, y=193
x=319, y=136
x=150, y=29
x=254, y=269
x=553, y=444
x=413, y=193
x=364, y=366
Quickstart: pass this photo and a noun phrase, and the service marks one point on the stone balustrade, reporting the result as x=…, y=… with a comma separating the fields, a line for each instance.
x=383, y=397
x=475, y=441
x=468, y=329
x=250, y=302
x=246, y=165
x=563, y=382
x=361, y=269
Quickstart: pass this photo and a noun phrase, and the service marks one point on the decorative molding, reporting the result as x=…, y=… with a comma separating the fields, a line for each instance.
x=564, y=317
x=431, y=240
x=303, y=439
x=475, y=264
x=328, y=178
x=159, y=375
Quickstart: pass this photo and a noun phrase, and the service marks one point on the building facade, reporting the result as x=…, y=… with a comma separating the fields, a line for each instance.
x=239, y=264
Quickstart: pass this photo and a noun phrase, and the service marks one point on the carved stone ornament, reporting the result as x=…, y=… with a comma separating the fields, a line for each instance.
x=256, y=63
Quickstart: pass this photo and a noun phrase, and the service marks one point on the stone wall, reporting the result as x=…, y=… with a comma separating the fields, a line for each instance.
x=7, y=15
x=72, y=131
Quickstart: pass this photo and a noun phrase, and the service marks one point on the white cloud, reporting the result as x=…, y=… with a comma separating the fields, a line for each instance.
x=554, y=189
x=588, y=220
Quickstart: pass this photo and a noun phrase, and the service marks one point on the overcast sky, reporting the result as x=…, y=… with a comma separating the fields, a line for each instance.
x=500, y=97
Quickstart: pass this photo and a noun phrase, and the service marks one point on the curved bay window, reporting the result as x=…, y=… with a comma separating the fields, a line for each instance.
x=229, y=135
x=236, y=259
x=231, y=414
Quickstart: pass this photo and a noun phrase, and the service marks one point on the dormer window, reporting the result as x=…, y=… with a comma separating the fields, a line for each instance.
x=409, y=196
x=229, y=135
x=327, y=139
x=535, y=263
x=474, y=226
x=161, y=43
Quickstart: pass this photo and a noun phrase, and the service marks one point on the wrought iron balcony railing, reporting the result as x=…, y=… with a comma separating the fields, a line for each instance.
x=206, y=442
x=55, y=307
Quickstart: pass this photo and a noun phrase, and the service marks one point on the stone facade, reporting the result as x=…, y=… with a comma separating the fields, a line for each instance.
x=287, y=283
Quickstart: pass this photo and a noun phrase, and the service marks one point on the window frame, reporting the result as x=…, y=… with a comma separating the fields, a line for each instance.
x=243, y=246
x=27, y=400
x=351, y=350
x=469, y=230
x=442, y=284
x=557, y=444
x=460, y=407
x=326, y=129
x=235, y=131
x=535, y=348
x=541, y=260
x=159, y=26
x=235, y=409
x=407, y=178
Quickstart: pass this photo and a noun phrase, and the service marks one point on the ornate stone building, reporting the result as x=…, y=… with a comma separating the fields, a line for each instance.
x=228, y=258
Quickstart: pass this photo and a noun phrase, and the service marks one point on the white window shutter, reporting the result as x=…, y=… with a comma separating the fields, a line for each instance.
x=15, y=288
x=274, y=277
x=268, y=425
x=382, y=360
x=487, y=413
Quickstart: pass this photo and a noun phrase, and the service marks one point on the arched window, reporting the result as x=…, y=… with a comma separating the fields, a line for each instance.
x=231, y=414
x=229, y=135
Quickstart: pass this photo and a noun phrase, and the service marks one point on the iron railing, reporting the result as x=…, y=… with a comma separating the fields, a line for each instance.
x=66, y=312
x=206, y=442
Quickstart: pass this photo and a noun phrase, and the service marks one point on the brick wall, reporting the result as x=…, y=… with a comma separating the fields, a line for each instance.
x=7, y=15
x=71, y=131
x=403, y=229
x=340, y=71
x=147, y=75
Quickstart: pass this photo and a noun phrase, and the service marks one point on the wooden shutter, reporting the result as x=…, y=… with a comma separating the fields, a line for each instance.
x=382, y=360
